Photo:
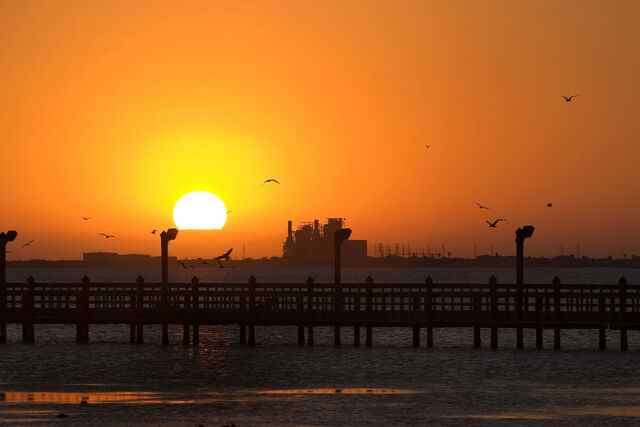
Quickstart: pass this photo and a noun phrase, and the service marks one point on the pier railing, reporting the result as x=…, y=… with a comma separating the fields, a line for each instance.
x=422, y=305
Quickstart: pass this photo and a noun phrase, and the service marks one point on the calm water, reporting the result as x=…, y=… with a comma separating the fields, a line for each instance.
x=279, y=384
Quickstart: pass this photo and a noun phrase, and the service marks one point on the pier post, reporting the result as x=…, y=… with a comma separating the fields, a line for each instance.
x=369, y=308
x=243, y=334
x=252, y=335
x=416, y=336
x=602, y=332
x=194, y=309
x=477, y=309
x=165, y=238
x=140, y=310
x=252, y=309
x=337, y=342
x=310, y=341
x=132, y=333
x=28, y=332
x=82, y=328
x=493, y=284
x=428, y=307
x=310, y=310
x=356, y=336
x=622, y=291
x=557, y=315
x=5, y=238
x=522, y=234
x=539, y=320
x=415, y=314
x=338, y=238
x=300, y=309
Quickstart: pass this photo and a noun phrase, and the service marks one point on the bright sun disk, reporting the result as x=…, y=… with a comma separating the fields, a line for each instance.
x=200, y=210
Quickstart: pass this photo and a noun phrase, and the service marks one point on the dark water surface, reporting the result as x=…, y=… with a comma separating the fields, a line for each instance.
x=279, y=384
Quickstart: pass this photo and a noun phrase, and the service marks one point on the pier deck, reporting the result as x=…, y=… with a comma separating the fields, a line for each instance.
x=427, y=305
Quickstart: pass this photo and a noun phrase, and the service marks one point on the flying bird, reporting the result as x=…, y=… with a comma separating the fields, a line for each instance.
x=107, y=236
x=549, y=205
x=427, y=146
x=154, y=231
x=29, y=243
x=480, y=206
x=494, y=224
x=86, y=218
x=225, y=256
x=569, y=98
x=275, y=181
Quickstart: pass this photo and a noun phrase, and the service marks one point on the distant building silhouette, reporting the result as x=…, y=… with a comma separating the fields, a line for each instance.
x=311, y=244
x=112, y=259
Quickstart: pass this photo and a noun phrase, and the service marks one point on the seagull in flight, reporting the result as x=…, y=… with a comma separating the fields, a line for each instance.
x=29, y=243
x=107, y=236
x=549, y=205
x=495, y=223
x=86, y=218
x=224, y=257
x=480, y=206
x=427, y=146
x=273, y=180
x=569, y=98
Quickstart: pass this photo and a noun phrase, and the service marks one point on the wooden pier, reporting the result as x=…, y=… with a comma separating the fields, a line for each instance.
x=367, y=305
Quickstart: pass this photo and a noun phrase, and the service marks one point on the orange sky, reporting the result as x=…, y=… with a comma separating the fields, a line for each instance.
x=115, y=109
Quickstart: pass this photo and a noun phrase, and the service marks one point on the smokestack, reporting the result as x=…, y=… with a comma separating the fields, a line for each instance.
x=289, y=229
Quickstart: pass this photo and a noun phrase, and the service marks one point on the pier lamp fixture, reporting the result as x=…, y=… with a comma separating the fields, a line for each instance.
x=522, y=234
x=339, y=237
x=5, y=237
x=165, y=238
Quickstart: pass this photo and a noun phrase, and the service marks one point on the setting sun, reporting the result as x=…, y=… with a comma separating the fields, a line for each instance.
x=200, y=210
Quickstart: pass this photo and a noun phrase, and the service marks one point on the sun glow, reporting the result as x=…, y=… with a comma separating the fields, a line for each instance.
x=200, y=210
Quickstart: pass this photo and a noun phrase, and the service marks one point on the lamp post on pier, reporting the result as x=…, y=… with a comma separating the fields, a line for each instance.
x=522, y=234
x=339, y=237
x=165, y=238
x=5, y=238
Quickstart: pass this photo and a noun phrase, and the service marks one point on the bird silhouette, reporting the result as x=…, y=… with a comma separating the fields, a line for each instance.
x=225, y=256
x=427, y=146
x=154, y=231
x=275, y=181
x=494, y=224
x=569, y=98
x=107, y=236
x=549, y=205
x=86, y=218
x=29, y=243
x=480, y=206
